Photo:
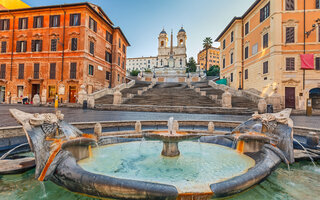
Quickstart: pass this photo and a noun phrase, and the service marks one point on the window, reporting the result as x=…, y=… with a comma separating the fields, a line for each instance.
x=232, y=35
x=74, y=44
x=92, y=24
x=123, y=48
x=52, y=70
x=3, y=47
x=21, y=71
x=289, y=34
x=180, y=61
x=290, y=64
x=231, y=58
x=54, y=21
x=92, y=48
x=265, y=40
x=265, y=12
x=119, y=61
x=91, y=70
x=246, y=52
x=123, y=64
x=318, y=63
x=108, y=74
x=108, y=36
x=231, y=77
x=265, y=67
x=224, y=63
x=36, y=69
x=119, y=43
x=255, y=49
x=108, y=57
x=54, y=45
x=290, y=4
x=246, y=74
x=38, y=22
x=21, y=46
x=75, y=19
x=3, y=71
x=73, y=70
x=246, y=28
x=4, y=24
x=118, y=77
x=36, y=45
x=318, y=4
x=23, y=23
x=224, y=44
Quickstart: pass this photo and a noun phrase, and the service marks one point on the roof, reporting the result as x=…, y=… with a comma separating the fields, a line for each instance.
x=122, y=34
x=163, y=32
x=182, y=30
x=213, y=48
x=238, y=18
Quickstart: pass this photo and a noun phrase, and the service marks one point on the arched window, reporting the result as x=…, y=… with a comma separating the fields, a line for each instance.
x=181, y=41
x=161, y=62
x=180, y=61
x=162, y=43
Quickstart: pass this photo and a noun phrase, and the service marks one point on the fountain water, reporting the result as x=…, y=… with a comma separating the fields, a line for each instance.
x=10, y=151
x=306, y=151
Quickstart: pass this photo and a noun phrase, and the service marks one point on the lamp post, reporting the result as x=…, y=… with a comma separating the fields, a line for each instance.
x=240, y=88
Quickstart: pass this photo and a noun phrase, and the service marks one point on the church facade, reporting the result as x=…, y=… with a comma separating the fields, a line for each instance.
x=169, y=56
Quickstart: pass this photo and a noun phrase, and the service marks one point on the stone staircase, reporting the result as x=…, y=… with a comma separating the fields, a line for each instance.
x=237, y=101
x=171, y=94
x=108, y=99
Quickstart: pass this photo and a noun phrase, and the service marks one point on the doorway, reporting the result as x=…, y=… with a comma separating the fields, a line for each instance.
x=2, y=94
x=72, y=94
x=314, y=94
x=290, y=97
x=35, y=90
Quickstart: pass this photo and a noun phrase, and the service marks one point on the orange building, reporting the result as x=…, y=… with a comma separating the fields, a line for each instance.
x=213, y=57
x=262, y=49
x=56, y=49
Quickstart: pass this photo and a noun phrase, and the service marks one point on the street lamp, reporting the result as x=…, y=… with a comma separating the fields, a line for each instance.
x=314, y=26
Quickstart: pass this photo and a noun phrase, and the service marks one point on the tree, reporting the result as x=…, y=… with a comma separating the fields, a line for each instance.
x=207, y=44
x=191, y=65
x=134, y=72
x=214, y=71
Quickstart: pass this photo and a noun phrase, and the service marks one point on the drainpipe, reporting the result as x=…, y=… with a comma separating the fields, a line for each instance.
x=63, y=41
x=12, y=44
x=304, y=41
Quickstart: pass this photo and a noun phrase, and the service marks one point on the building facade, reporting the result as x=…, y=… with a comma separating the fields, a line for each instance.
x=263, y=50
x=141, y=63
x=213, y=58
x=56, y=49
x=177, y=55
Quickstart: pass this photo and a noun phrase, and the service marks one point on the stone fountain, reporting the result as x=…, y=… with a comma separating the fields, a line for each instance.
x=171, y=138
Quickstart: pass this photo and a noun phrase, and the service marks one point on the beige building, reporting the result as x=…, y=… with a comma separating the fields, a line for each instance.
x=141, y=63
x=262, y=48
x=213, y=57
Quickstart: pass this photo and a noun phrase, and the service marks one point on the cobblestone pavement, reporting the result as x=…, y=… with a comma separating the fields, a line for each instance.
x=79, y=115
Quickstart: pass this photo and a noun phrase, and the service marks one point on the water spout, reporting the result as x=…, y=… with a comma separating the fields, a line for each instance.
x=306, y=151
x=6, y=154
x=170, y=125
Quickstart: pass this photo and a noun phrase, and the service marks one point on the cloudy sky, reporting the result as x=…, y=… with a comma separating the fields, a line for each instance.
x=143, y=20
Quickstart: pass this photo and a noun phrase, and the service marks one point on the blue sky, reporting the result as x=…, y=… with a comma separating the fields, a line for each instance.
x=143, y=20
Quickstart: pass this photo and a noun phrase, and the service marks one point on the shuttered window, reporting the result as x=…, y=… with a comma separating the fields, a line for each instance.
x=23, y=23
x=231, y=77
x=54, y=45
x=75, y=19
x=91, y=70
x=38, y=22
x=318, y=63
x=246, y=29
x=36, y=70
x=21, y=71
x=109, y=37
x=108, y=75
x=224, y=44
x=290, y=4
x=318, y=4
x=123, y=48
x=52, y=70
x=54, y=21
x=231, y=58
x=3, y=47
x=246, y=74
x=265, y=12
x=92, y=24
x=246, y=52
x=265, y=40
x=265, y=67
x=232, y=36
x=3, y=71
x=289, y=34
x=21, y=46
x=4, y=24
x=73, y=70
x=224, y=63
x=36, y=46
x=92, y=48
x=74, y=44
x=119, y=60
x=290, y=62
x=108, y=57
x=119, y=43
